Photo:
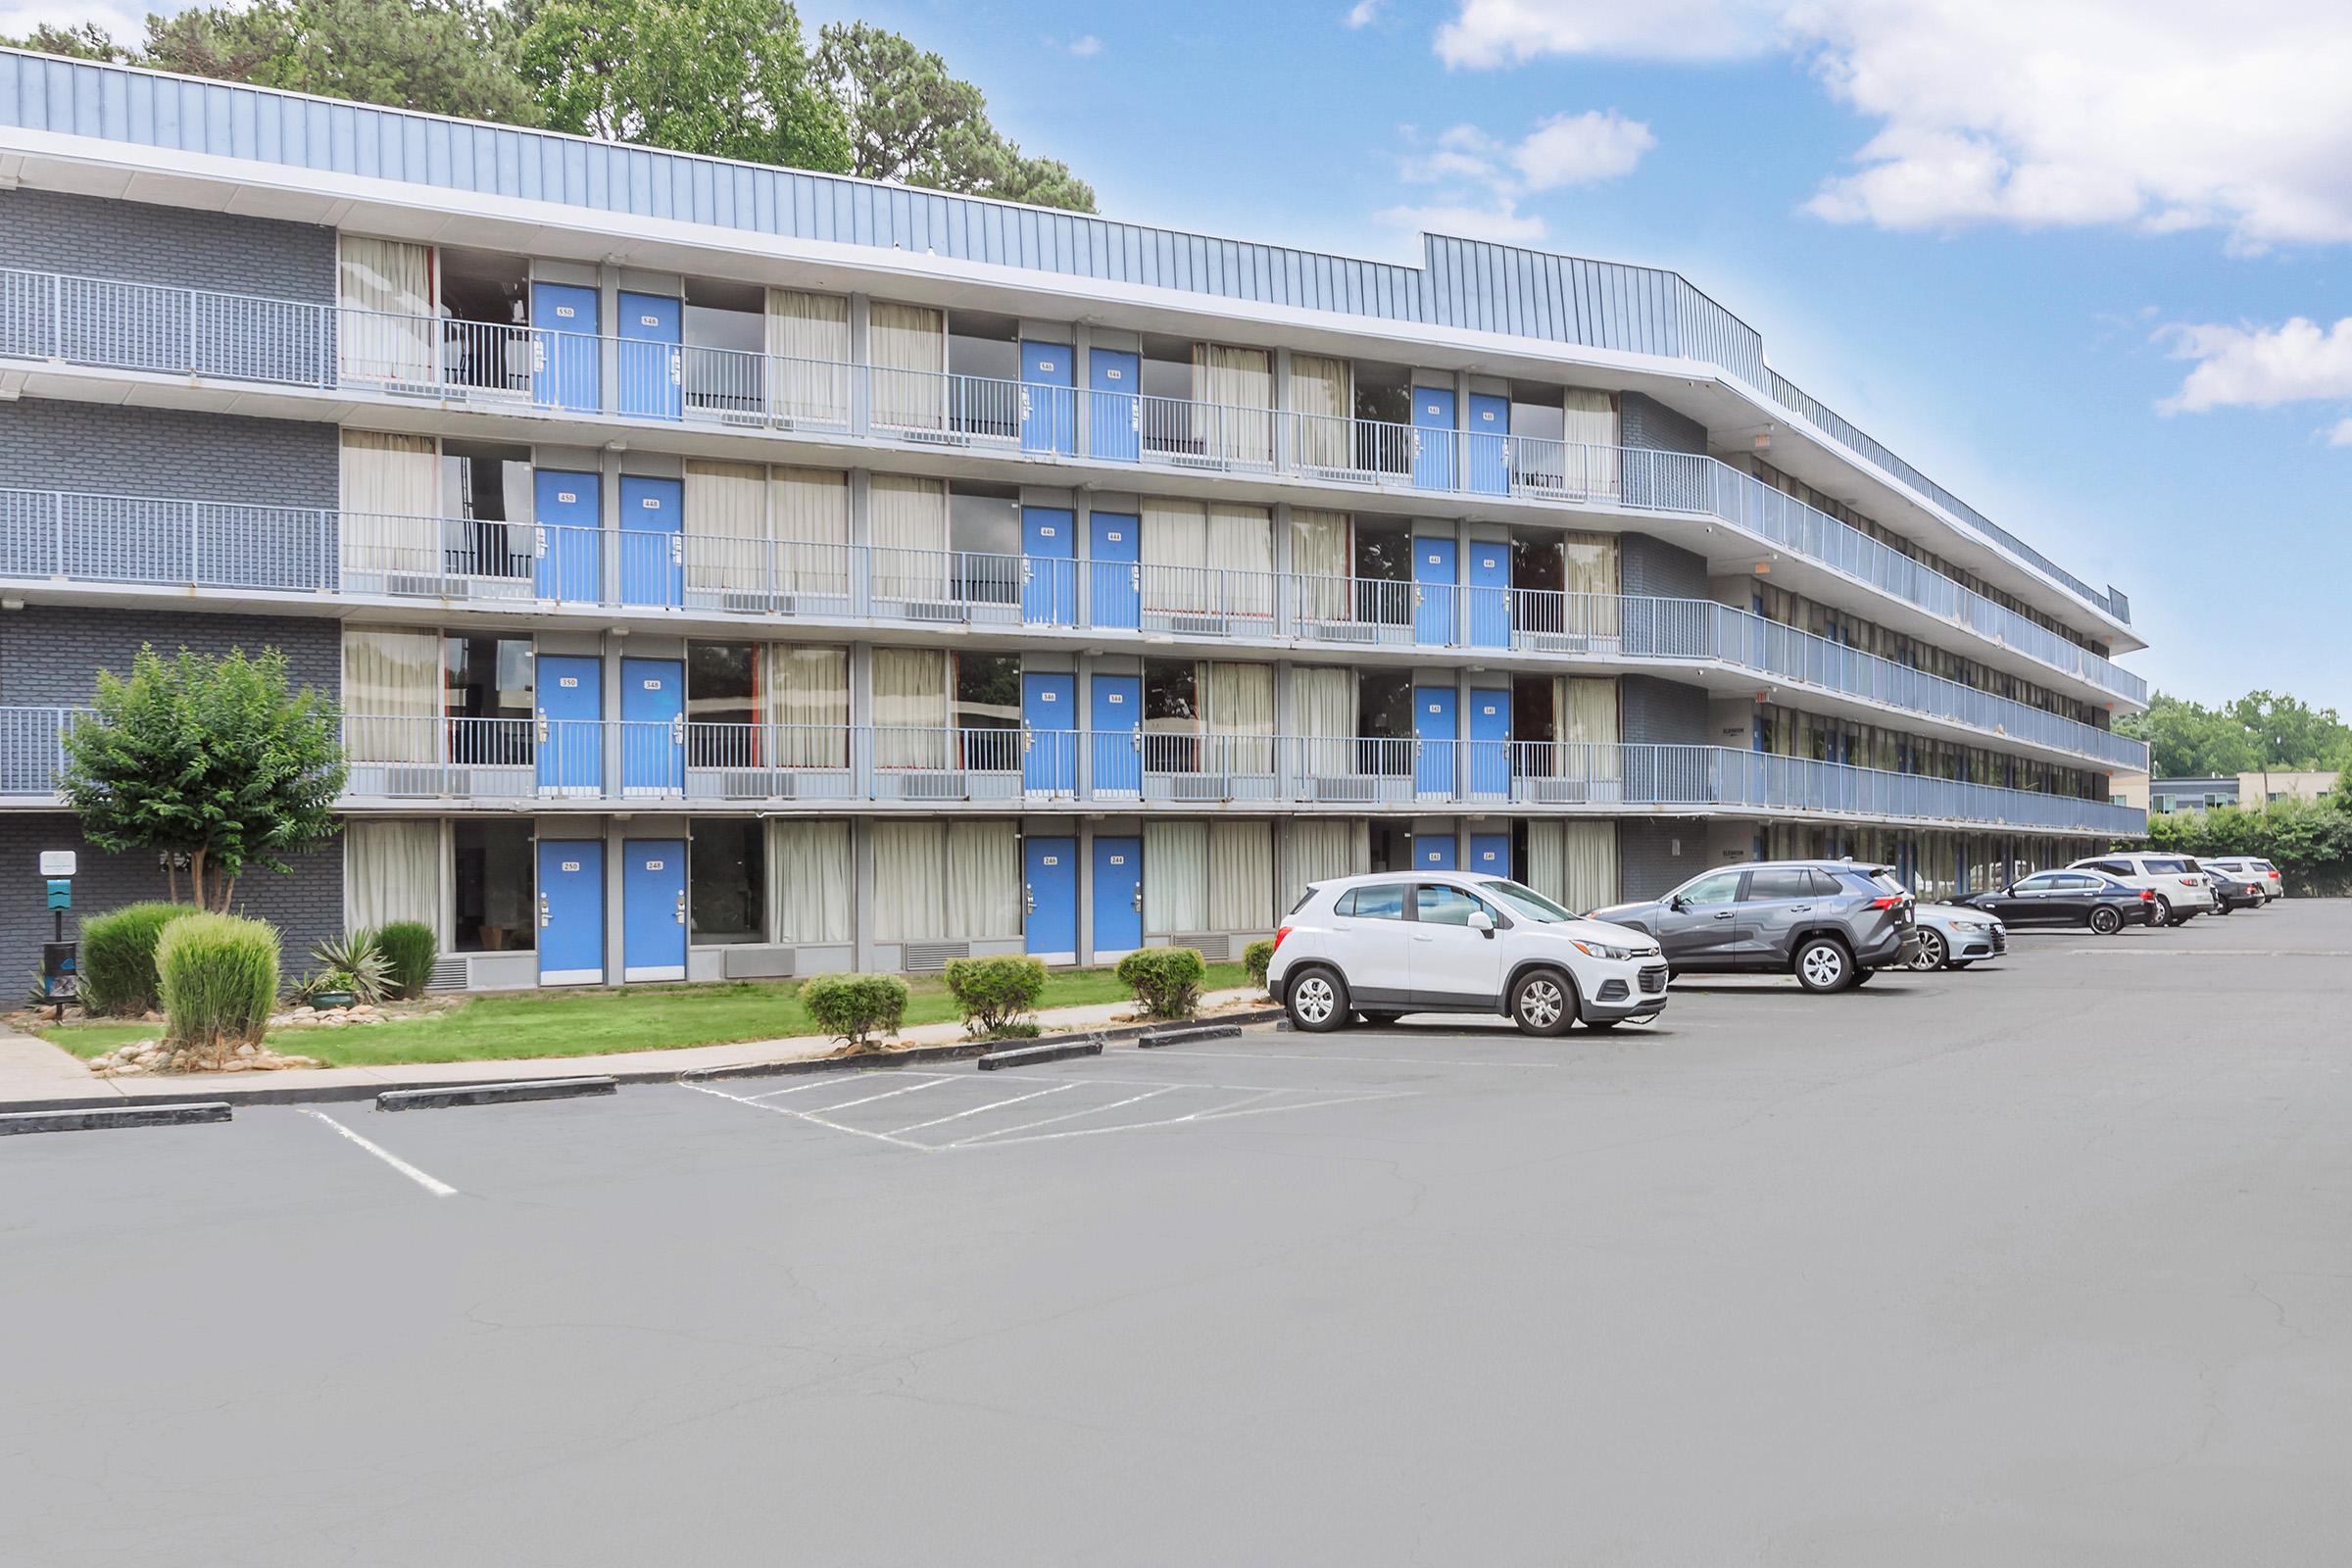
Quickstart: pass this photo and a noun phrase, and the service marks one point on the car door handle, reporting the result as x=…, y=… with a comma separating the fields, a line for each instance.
x=1800, y=909
x=1421, y=937
x=1725, y=915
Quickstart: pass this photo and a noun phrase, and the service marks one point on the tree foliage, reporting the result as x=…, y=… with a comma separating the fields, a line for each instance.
x=212, y=759
x=2309, y=841
x=2258, y=730
x=443, y=57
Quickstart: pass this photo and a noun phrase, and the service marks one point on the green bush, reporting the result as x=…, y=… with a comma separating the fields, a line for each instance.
x=356, y=964
x=994, y=994
x=1166, y=981
x=117, y=957
x=855, y=1008
x=409, y=954
x=220, y=979
x=1255, y=957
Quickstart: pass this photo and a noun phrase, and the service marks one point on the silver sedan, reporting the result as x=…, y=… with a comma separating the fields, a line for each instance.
x=1953, y=938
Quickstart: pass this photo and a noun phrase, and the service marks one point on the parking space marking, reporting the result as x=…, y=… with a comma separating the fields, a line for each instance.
x=1239, y=1108
x=1067, y=1115
x=432, y=1185
x=993, y=1105
x=2212, y=953
x=887, y=1094
x=817, y=1081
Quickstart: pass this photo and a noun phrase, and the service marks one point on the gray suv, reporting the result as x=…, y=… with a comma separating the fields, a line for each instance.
x=1832, y=923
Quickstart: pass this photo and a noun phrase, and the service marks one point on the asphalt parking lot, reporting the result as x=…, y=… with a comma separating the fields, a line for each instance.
x=2047, y=1263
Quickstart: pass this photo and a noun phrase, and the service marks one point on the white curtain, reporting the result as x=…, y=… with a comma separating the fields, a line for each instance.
x=725, y=526
x=1589, y=859
x=392, y=871
x=809, y=356
x=1592, y=436
x=1585, y=717
x=1318, y=849
x=808, y=702
x=910, y=709
x=910, y=896
x=1323, y=395
x=810, y=884
x=1322, y=560
x=1175, y=877
x=811, y=508
x=908, y=345
x=1241, y=542
x=1241, y=876
x=1174, y=551
x=908, y=522
x=1323, y=707
x=1237, y=703
x=386, y=327
x=391, y=503
x=984, y=881
x=1589, y=566
x=391, y=694
x=1240, y=382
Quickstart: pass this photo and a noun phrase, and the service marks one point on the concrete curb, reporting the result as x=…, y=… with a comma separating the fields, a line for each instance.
x=101, y=1119
x=492, y=1094
x=1185, y=1036
x=1029, y=1055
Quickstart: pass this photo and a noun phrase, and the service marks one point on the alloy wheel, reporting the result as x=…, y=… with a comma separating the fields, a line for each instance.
x=1823, y=966
x=1313, y=1000
x=1930, y=953
x=1541, y=1002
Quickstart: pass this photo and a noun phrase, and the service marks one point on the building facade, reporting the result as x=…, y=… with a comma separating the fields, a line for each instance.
x=734, y=572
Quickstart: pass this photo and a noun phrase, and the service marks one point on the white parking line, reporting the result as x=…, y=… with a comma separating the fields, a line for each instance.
x=806, y=1116
x=818, y=1081
x=439, y=1189
x=1067, y=1115
x=1240, y=1107
x=884, y=1095
x=2210, y=953
x=991, y=1105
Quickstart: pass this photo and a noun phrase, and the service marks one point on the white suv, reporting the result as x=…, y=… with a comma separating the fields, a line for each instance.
x=1395, y=942
x=2251, y=868
x=2181, y=891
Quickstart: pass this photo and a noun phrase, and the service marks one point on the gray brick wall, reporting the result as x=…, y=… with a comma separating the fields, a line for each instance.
x=1661, y=713
x=305, y=905
x=1647, y=862
x=1646, y=422
x=1654, y=567
x=53, y=231
x=46, y=444
x=50, y=655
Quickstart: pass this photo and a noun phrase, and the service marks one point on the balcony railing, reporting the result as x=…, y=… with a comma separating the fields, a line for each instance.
x=114, y=325
x=103, y=539
x=518, y=760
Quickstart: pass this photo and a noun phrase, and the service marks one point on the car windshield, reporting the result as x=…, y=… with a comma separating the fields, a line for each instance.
x=1525, y=900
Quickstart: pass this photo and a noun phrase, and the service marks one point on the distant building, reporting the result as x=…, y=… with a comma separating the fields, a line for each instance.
x=2254, y=790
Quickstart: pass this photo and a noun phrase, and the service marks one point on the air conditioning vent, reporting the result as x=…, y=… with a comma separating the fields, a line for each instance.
x=1343, y=631
x=745, y=602
x=754, y=786
x=934, y=609
x=415, y=583
x=1199, y=786
x=935, y=787
x=1199, y=626
x=448, y=973
x=1348, y=790
x=1214, y=946
x=929, y=957
x=750, y=416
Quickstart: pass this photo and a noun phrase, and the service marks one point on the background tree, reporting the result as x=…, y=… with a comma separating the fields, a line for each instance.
x=89, y=41
x=2289, y=735
x=443, y=57
x=214, y=759
x=2189, y=739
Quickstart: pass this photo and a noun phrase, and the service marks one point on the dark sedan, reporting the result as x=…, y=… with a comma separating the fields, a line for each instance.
x=2086, y=898
x=2230, y=892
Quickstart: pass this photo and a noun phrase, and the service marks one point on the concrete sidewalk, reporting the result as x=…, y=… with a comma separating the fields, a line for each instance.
x=35, y=1075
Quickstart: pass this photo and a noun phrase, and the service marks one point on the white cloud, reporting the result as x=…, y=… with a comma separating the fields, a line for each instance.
x=124, y=23
x=1363, y=13
x=1501, y=223
x=2340, y=434
x=1086, y=47
x=2167, y=114
x=2262, y=366
x=1484, y=178
x=1581, y=149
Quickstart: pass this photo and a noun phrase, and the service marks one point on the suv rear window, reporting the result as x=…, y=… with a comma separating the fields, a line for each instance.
x=1385, y=901
x=2166, y=867
x=1782, y=882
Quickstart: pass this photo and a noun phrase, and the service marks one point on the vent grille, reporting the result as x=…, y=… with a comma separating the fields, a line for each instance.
x=929, y=957
x=1199, y=787
x=933, y=610
x=935, y=787
x=1346, y=788
x=448, y=974
x=1216, y=946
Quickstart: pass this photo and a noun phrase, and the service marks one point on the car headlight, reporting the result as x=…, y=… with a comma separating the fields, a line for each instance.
x=1602, y=949
x=1972, y=925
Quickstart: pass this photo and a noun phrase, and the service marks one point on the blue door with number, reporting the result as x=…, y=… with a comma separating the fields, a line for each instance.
x=1114, y=592
x=1433, y=438
x=1490, y=595
x=653, y=726
x=1491, y=744
x=1049, y=406
x=1048, y=566
x=1117, y=763
x=1118, y=898
x=1436, y=588
x=651, y=382
x=1433, y=852
x=570, y=542
x=564, y=374
x=653, y=909
x=1113, y=417
x=1490, y=853
x=1051, y=866
x=653, y=543
x=1487, y=444
x=572, y=736
x=1050, y=741
x=1434, y=729
x=571, y=912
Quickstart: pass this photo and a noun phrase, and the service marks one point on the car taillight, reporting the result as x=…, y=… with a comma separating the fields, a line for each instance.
x=2189, y=881
x=1278, y=936
x=2147, y=895
x=1887, y=903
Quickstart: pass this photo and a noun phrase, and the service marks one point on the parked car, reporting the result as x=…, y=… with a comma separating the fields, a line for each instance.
x=2181, y=891
x=2251, y=868
x=2071, y=897
x=1951, y=937
x=2228, y=891
x=1389, y=944
x=1832, y=923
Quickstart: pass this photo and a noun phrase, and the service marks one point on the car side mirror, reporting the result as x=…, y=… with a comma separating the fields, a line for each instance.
x=1480, y=923
x=1678, y=903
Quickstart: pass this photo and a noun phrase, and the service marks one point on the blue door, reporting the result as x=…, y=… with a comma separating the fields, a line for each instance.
x=571, y=738
x=1048, y=566
x=571, y=912
x=1049, y=406
x=572, y=536
x=653, y=726
x=1114, y=590
x=1118, y=898
x=564, y=374
x=1491, y=744
x=1490, y=596
x=1050, y=741
x=1050, y=867
x=1490, y=853
x=652, y=564
x=1433, y=438
x=1433, y=852
x=651, y=381
x=1487, y=444
x=1436, y=586
x=653, y=909
x=1118, y=763
x=1113, y=417
x=1434, y=728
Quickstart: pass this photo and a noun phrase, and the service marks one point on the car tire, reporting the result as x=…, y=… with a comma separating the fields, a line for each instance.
x=2105, y=921
x=2222, y=906
x=1543, y=1002
x=1959, y=964
x=2164, y=911
x=1930, y=954
x=1862, y=975
x=1380, y=1020
x=1823, y=966
x=1316, y=999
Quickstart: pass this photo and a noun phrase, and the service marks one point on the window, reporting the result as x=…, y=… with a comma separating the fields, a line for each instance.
x=2166, y=867
x=1781, y=882
x=727, y=872
x=494, y=877
x=1171, y=696
x=2077, y=883
x=1435, y=903
x=722, y=683
x=1716, y=887
x=1385, y=901
x=2111, y=867
x=988, y=691
x=487, y=677
x=1525, y=900
x=984, y=529
x=2042, y=882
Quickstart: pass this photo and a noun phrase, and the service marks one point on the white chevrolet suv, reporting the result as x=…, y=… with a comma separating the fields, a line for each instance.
x=1395, y=942
x=2181, y=891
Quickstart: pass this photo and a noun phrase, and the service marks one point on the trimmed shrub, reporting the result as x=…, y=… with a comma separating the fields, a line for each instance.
x=409, y=954
x=996, y=994
x=1255, y=957
x=1166, y=981
x=855, y=1008
x=220, y=980
x=117, y=957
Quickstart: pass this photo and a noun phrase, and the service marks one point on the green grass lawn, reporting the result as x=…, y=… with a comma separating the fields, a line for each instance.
x=585, y=1023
